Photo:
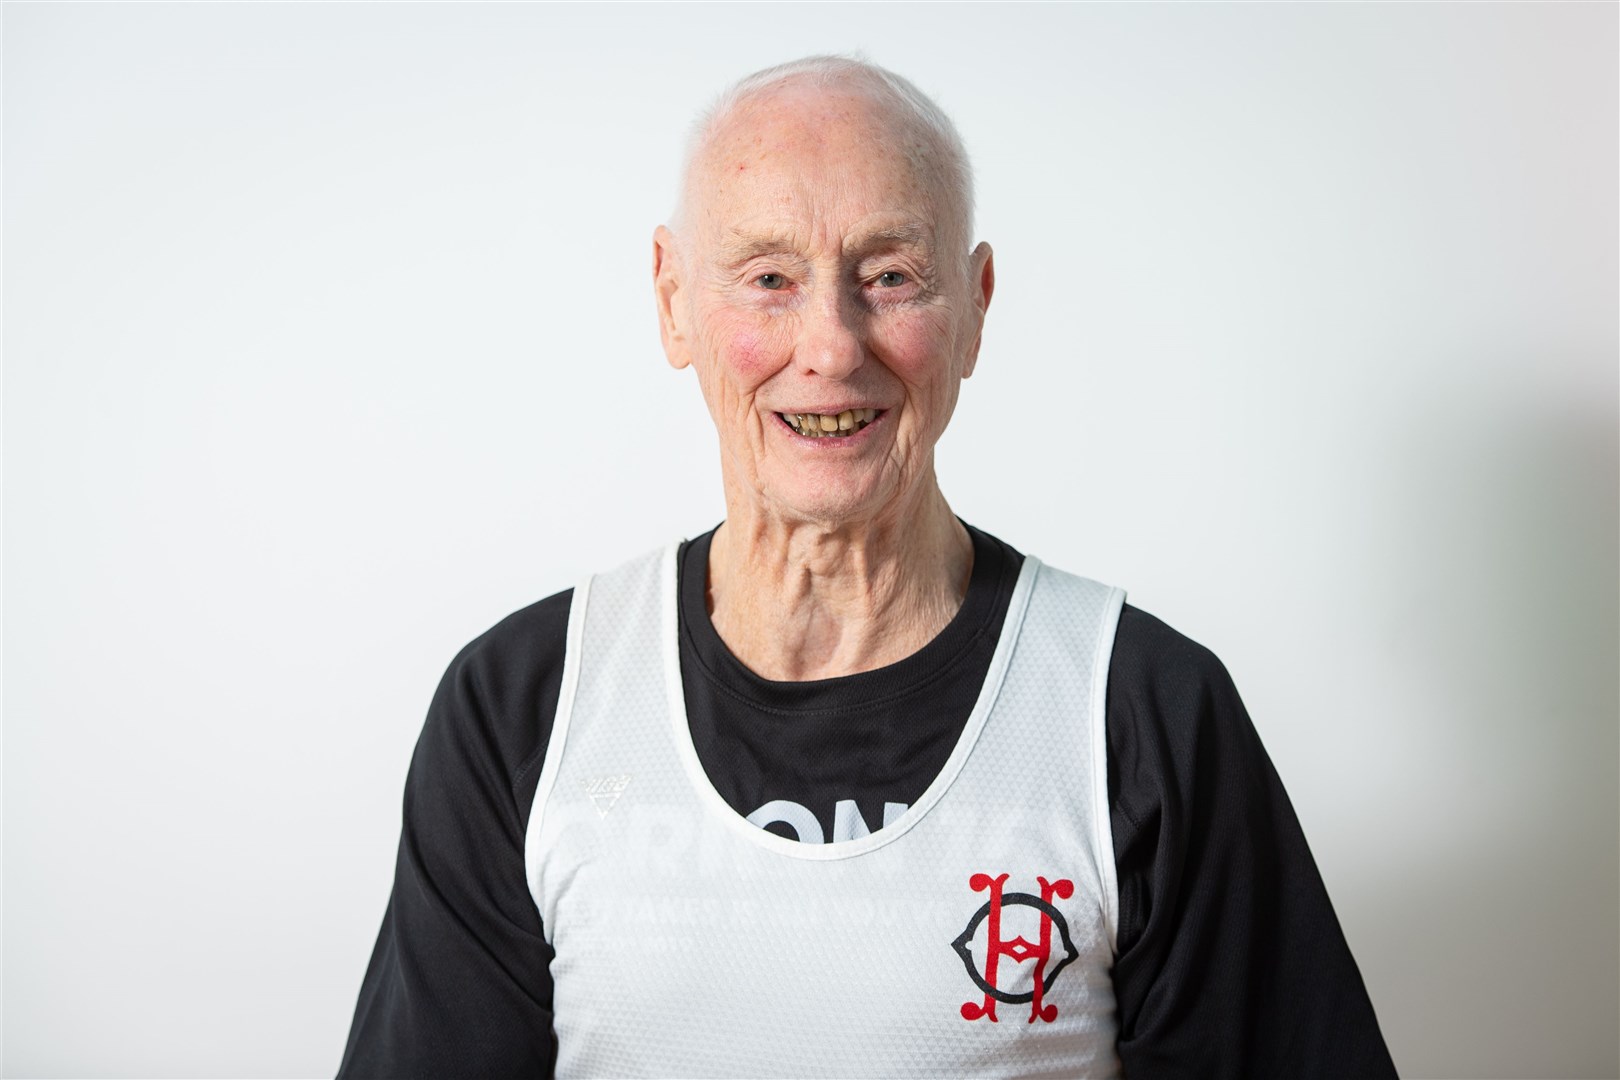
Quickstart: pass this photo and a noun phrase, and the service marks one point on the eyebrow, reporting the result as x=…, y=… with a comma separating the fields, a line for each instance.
x=739, y=247
x=909, y=235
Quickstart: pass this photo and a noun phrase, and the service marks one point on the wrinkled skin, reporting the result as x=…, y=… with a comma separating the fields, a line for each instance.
x=821, y=266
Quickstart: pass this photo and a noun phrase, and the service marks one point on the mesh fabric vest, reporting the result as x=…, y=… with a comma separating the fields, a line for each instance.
x=973, y=936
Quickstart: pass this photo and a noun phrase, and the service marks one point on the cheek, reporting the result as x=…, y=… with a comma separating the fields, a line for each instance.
x=920, y=348
x=745, y=350
x=747, y=355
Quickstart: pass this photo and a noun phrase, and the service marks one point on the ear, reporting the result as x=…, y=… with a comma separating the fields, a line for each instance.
x=982, y=274
x=667, y=285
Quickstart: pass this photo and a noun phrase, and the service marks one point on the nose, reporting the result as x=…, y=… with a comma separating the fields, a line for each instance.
x=830, y=337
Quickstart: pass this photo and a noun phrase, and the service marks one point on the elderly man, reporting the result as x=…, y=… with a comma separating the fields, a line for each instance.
x=845, y=786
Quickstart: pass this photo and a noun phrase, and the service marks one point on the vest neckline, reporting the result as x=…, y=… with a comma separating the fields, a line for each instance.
x=715, y=805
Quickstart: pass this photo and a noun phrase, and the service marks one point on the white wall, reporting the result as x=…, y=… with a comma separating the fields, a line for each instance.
x=329, y=341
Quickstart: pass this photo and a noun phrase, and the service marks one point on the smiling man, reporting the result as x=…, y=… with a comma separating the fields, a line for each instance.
x=845, y=786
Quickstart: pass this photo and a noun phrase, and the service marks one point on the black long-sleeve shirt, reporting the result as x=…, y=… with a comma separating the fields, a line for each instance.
x=1230, y=960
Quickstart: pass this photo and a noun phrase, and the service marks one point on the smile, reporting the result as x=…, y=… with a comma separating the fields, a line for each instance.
x=830, y=425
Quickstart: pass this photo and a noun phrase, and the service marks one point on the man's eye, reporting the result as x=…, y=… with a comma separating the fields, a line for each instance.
x=770, y=281
x=891, y=279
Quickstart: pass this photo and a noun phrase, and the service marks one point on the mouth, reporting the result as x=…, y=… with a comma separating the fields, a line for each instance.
x=839, y=425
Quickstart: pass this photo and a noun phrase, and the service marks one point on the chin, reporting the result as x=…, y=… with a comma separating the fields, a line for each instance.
x=829, y=502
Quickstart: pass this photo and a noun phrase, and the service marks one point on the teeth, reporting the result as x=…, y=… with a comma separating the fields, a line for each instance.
x=821, y=425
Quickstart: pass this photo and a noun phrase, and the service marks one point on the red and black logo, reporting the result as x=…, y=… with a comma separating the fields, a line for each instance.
x=1039, y=979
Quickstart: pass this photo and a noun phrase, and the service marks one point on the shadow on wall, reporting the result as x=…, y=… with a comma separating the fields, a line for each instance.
x=1492, y=949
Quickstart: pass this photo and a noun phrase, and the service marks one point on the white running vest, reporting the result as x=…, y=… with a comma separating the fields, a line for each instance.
x=973, y=936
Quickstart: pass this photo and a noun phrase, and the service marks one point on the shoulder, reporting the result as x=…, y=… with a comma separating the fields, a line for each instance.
x=1231, y=961
x=517, y=652
x=1155, y=661
x=522, y=640
x=518, y=661
x=498, y=695
x=1147, y=643
x=1172, y=704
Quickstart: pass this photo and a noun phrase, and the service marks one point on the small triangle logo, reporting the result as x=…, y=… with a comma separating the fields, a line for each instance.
x=605, y=791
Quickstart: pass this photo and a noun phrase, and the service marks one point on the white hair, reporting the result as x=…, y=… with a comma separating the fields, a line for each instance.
x=912, y=108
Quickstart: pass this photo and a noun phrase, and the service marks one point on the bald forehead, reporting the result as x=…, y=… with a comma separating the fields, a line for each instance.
x=846, y=109
x=848, y=106
x=819, y=133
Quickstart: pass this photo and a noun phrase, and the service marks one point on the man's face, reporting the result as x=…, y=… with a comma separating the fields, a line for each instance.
x=822, y=282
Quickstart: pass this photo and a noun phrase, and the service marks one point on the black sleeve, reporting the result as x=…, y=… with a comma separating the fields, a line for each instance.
x=1231, y=961
x=459, y=982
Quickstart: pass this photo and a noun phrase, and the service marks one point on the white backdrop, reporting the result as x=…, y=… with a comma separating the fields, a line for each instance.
x=329, y=341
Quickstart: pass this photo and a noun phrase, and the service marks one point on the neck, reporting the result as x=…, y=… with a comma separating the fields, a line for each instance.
x=797, y=600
